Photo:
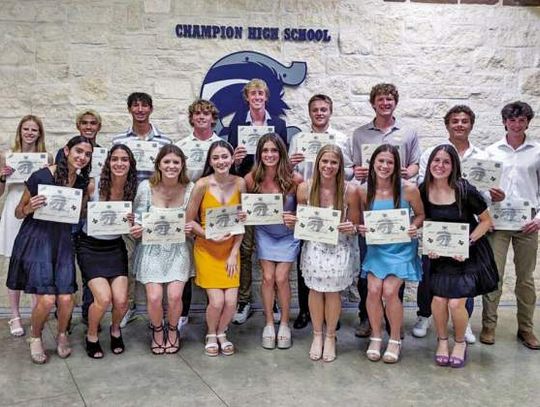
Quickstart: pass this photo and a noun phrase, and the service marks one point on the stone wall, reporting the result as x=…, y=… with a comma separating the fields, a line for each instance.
x=57, y=57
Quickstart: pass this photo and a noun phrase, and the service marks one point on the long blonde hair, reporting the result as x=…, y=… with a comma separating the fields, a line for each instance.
x=314, y=194
x=40, y=142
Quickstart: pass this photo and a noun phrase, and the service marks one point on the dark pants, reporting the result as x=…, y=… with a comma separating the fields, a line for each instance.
x=186, y=298
x=303, y=290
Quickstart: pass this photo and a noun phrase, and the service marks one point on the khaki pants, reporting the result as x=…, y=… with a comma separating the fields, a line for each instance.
x=525, y=251
x=246, y=265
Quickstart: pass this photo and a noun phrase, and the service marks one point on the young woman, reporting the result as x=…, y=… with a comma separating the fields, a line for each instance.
x=30, y=138
x=103, y=259
x=169, y=266
x=42, y=261
x=277, y=248
x=388, y=265
x=217, y=261
x=327, y=268
x=449, y=198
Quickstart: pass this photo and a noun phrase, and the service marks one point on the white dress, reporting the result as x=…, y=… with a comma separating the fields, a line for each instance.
x=9, y=224
x=161, y=263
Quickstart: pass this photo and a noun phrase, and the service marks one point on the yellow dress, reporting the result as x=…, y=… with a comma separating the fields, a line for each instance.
x=211, y=257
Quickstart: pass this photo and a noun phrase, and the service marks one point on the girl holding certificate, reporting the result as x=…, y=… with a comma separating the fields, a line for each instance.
x=388, y=265
x=164, y=266
x=103, y=259
x=329, y=269
x=217, y=260
x=30, y=138
x=42, y=261
x=277, y=248
x=449, y=198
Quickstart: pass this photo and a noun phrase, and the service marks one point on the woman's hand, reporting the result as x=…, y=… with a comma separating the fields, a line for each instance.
x=221, y=238
x=347, y=227
x=242, y=216
x=289, y=219
x=412, y=232
x=136, y=231
x=189, y=229
x=458, y=258
x=36, y=202
x=296, y=159
x=131, y=218
x=433, y=255
x=6, y=171
x=362, y=229
x=232, y=264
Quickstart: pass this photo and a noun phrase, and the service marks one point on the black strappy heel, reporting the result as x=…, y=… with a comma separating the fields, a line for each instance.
x=117, y=343
x=158, y=349
x=176, y=345
x=93, y=348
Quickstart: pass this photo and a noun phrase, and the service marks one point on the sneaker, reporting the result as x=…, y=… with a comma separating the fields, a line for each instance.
x=421, y=326
x=182, y=322
x=130, y=316
x=364, y=329
x=469, y=335
x=277, y=313
x=243, y=312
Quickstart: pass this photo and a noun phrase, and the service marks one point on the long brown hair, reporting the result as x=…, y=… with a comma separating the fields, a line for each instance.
x=168, y=149
x=395, y=178
x=284, y=175
x=105, y=181
x=314, y=194
x=40, y=141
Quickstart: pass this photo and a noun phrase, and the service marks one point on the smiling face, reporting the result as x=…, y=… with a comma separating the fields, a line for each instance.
x=384, y=165
x=89, y=126
x=384, y=105
x=516, y=126
x=459, y=126
x=329, y=165
x=79, y=155
x=119, y=163
x=221, y=160
x=29, y=133
x=170, y=166
x=319, y=113
x=140, y=111
x=202, y=120
x=441, y=165
x=256, y=98
x=270, y=154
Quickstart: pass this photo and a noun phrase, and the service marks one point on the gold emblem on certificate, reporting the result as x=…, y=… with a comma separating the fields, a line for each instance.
x=108, y=218
x=164, y=226
x=387, y=226
x=248, y=136
x=195, y=151
x=309, y=144
x=99, y=156
x=317, y=224
x=510, y=214
x=24, y=165
x=145, y=153
x=263, y=209
x=446, y=239
x=483, y=174
x=63, y=204
x=223, y=220
x=369, y=149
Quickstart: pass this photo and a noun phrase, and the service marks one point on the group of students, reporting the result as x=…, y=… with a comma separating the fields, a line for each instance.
x=42, y=259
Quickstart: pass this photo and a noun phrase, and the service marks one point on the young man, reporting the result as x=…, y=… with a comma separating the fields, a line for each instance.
x=459, y=122
x=140, y=108
x=384, y=128
x=320, y=109
x=256, y=94
x=520, y=180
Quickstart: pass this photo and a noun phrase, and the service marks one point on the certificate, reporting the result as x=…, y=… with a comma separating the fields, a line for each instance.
x=368, y=150
x=510, y=214
x=248, y=136
x=223, y=220
x=263, y=209
x=145, y=153
x=446, y=239
x=309, y=144
x=63, y=204
x=387, y=226
x=483, y=174
x=317, y=224
x=24, y=165
x=195, y=151
x=108, y=218
x=164, y=226
x=98, y=160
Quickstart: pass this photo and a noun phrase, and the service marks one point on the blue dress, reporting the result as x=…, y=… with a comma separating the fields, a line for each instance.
x=43, y=261
x=395, y=259
x=277, y=242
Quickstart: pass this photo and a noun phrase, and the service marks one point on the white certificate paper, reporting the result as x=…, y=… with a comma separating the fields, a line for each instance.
x=63, y=204
x=98, y=160
x=108, y=218
x=317, y=224
x=369, y=149
x=446, y=239
x=510, y=214
x=164, y=226
x=309, y=144
x=195, y=151
x=248, y=136
x=223, y=220
x=483, y=174
x=387, y=226
x=263, y=209
x=145, y=153
x=24, y=165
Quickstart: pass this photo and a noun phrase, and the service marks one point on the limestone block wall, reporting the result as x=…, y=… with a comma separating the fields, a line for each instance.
x=58, y=57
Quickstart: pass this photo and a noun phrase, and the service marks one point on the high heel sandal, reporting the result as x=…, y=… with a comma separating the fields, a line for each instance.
x=329, y=352
x=175, y=347
x=62, y=348
x=442, y=360
x=456, y=362
x=158, y=348
x=16, y=331
x=315, y=352
x=392, y=357
x=374, y=354
x=117, y=342
x=37, y=353
x=93, y=348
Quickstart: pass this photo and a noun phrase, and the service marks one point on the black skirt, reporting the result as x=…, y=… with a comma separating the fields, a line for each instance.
x=101, y=258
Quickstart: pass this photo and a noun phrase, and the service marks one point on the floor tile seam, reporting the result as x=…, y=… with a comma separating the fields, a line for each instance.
x=43, y=399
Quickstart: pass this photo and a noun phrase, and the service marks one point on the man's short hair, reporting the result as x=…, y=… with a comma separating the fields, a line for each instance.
x=459, y=109
x=383, y=89
x=90, y=112
x=205, y=106
x=256, y=83
x=139, y=97
x=324, y=98
x=516, y=109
